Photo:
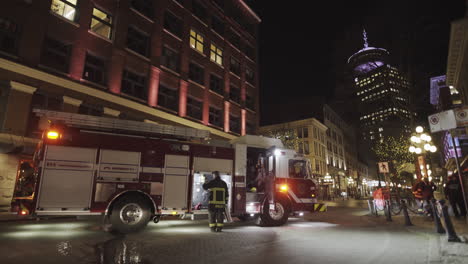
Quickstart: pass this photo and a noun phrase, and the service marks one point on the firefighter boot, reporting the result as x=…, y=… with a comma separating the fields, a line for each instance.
x=214, y=229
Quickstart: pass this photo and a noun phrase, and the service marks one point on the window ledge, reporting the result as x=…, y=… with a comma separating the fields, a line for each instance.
x=133, y=98
x=217, y=34
x=97, y=85
x=251, y=60
x=221, y=66
x=235, y=75
x=138, y=54
x=167, y=110
x=9, y=55
x=251, y=85
x=99, y=36
x=177, y=3
x=201, y=53
x=172, y=34
x=216, y=93
x=55, y=71
x=64, y=19
x=197, y=84
x=142, y=15
x=250, y=110
x=169, y=70
x=235, y=103
x=199, y=20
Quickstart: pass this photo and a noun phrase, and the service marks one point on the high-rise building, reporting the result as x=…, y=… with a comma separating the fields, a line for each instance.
x=382, y=94
x=189, y=63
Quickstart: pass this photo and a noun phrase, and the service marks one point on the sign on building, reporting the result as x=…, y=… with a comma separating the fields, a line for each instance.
x=442, y=121
x=383, y=167
x=461, y=115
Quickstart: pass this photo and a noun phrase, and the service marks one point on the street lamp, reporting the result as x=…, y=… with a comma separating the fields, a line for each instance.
x=420, y=145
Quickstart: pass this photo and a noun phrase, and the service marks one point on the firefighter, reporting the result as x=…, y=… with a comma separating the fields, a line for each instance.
x=218, y=200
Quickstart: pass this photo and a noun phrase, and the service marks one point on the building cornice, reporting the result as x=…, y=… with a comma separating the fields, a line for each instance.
x=105, y=96
x=250, y=11
x=457, y=49
x=111, y=112
x=22, y=87
x=72, y=101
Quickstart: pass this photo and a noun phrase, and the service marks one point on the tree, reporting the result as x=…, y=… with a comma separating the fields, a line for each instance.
x=395, y=151
x=287, y=136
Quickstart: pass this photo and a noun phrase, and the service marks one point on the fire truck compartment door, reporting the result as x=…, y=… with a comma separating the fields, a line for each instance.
x=67, y=179
x=175, y=182
x=116, y=165
x=224, y=166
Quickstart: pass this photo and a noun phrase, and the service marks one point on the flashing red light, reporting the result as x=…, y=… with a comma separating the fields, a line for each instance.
x=23, y=212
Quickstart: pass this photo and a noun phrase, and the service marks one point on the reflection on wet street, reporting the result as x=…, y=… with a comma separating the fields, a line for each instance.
x=337, y=237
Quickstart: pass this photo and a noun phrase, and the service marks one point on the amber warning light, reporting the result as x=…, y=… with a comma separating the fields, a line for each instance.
x=52, y=135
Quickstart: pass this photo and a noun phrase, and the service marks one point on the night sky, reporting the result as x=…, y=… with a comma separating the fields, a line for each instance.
x=303, y=49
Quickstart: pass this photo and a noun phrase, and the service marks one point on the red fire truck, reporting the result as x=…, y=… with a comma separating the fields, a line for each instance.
x=133, y=172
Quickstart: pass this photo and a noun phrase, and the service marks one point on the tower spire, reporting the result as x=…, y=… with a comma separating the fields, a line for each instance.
x=364, y=35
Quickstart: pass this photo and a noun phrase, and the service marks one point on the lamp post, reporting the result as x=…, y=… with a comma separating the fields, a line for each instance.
x=350, y=184
x=364, y=188
x=420, y=145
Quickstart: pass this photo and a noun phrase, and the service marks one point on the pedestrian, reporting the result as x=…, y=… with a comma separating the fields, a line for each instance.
x=218, y=199
x=453, y=192
x=423, y=192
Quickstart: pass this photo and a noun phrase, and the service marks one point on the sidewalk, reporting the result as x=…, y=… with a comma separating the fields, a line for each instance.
x=440, y=251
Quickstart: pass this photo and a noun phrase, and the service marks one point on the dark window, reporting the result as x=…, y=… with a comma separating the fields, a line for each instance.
x=138, y=41
x=134, y=85
x=170, y=59
x=42, y=101
x=249, y=75
x=194, y=108
x=234, y=66
x=249, y=51
x=180, y=2
x=306, y=147
x=90, y=109
x=250, y=128
x=55, y=54
x=249, y=102
x=217, y=25
x=143, y=6
x=234, y=124
x=95, y=70
x=234, y=94
x=9, y=36
x=173, y=24
x=199, y=10
x=234, y=39
x=168, y=98
x=215, y=117
x=196, y=73
x=216, y=84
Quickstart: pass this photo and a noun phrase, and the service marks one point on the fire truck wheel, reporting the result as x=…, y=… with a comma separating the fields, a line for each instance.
x=130, y=214
x=277, y=217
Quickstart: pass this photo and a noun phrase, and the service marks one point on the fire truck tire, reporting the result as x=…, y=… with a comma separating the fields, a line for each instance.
x=278, y=217
x=130, y=214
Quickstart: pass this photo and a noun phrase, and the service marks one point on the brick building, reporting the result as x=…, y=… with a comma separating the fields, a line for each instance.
x=181, y=62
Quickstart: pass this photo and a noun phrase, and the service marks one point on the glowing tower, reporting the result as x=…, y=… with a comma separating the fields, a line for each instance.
x=382, y=94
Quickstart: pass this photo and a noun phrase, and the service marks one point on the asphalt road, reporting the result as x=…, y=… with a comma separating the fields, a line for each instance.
x=341, y=235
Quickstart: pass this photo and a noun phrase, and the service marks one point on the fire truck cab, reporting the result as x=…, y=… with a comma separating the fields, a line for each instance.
x=132, y=172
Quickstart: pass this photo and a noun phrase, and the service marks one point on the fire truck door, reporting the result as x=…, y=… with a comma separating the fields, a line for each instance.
x=175, y=182
x=67, y=180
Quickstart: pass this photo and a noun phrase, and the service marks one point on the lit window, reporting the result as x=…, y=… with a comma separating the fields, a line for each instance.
x=101, y=23
x=64, y=8
x=196, y=41
x=216, y=54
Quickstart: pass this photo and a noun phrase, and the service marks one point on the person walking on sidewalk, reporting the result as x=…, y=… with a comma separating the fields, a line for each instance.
x=218, y=199
x=423, y=192
x=453, y=192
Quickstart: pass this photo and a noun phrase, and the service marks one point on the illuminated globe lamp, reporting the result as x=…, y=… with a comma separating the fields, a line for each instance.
x=420, y=145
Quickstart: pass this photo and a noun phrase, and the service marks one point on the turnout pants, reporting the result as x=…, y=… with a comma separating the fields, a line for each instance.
x=216, y=216
x=460, y=211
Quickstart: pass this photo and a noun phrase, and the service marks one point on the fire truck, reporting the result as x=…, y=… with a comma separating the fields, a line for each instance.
x=133, y=172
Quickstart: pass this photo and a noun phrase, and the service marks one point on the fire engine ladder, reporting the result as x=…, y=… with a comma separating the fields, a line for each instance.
x=94, y=122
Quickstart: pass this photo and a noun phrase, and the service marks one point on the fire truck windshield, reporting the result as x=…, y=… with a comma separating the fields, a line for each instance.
x=298, y=169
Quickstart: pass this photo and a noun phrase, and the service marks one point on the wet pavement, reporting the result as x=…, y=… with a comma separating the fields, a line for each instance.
x=342, y=235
